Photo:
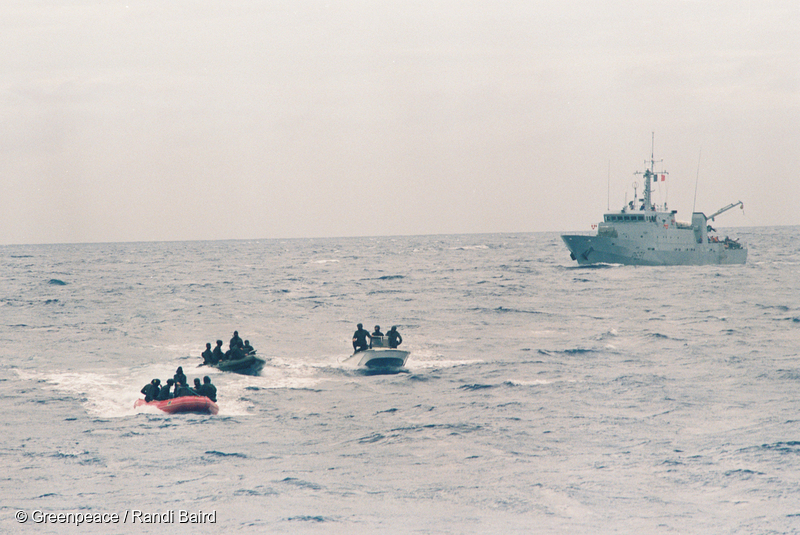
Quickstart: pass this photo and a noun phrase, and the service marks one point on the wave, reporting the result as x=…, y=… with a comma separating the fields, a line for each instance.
x=476, y=386
x=383, y=292
x=300, y=483
x=780, y=308
x=792, y=446
x=371, y=439
x=468, y=247
x=577, y=351
x=259, y=491
x=421, y=363
x=743, y=473
x=104, y=395
x=223, y=454
x=308, y=518
x=517, y=310
x=504, y=310
x=535, y=382
x=456, y=428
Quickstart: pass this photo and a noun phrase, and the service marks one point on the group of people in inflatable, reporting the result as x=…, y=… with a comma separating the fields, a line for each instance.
x=361, y=335
x=237, y=349
x=153, y=391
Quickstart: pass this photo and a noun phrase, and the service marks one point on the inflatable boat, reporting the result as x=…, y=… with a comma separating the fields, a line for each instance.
x=249, y=365
x=195, y=404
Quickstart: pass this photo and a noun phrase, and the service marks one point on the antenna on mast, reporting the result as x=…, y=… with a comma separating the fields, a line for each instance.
x=650, y=176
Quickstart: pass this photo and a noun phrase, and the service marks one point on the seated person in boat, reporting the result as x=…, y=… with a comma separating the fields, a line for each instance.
x=208, y=390
x=197, y=386
x=166, y=391
x=179, y=376
x=360, y=339
x=394, y=337
x=236, y=341
x=151, y=390
x=217, y=355
x=182, y=390
x=248, y=348
x=236, y=353
x=208, y=355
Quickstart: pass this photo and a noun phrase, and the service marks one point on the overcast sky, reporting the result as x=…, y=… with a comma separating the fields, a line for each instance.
x=196, y=120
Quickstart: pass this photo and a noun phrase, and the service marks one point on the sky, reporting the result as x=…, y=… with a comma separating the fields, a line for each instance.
x=205, y=120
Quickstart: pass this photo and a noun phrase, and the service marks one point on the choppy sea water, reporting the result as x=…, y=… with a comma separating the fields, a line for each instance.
x=540, y=397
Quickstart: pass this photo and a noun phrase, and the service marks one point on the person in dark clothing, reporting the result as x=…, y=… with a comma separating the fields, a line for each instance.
x=151, y=390
x=217, y=354
x=236, y=353
x=166, y=390
x=197, y=386
x=394, y=337
x=360, y=339
x=179, y=377
x=236, y=341
x=208, y=390
x=208, y=355
x=182, y=390
x=376, y=334
x=248, y=348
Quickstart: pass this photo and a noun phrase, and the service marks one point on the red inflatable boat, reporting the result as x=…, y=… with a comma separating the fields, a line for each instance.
x=197, y=404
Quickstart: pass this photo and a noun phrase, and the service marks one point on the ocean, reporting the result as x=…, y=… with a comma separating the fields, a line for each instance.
x=539, y=397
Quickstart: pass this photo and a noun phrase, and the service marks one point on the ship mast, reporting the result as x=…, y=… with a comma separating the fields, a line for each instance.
x=650, y=174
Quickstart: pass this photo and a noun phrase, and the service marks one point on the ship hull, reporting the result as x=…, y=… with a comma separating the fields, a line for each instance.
x=379, y=358
x=587, y=250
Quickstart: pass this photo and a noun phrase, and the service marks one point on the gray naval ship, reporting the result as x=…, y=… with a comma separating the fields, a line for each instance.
x=643, y=234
